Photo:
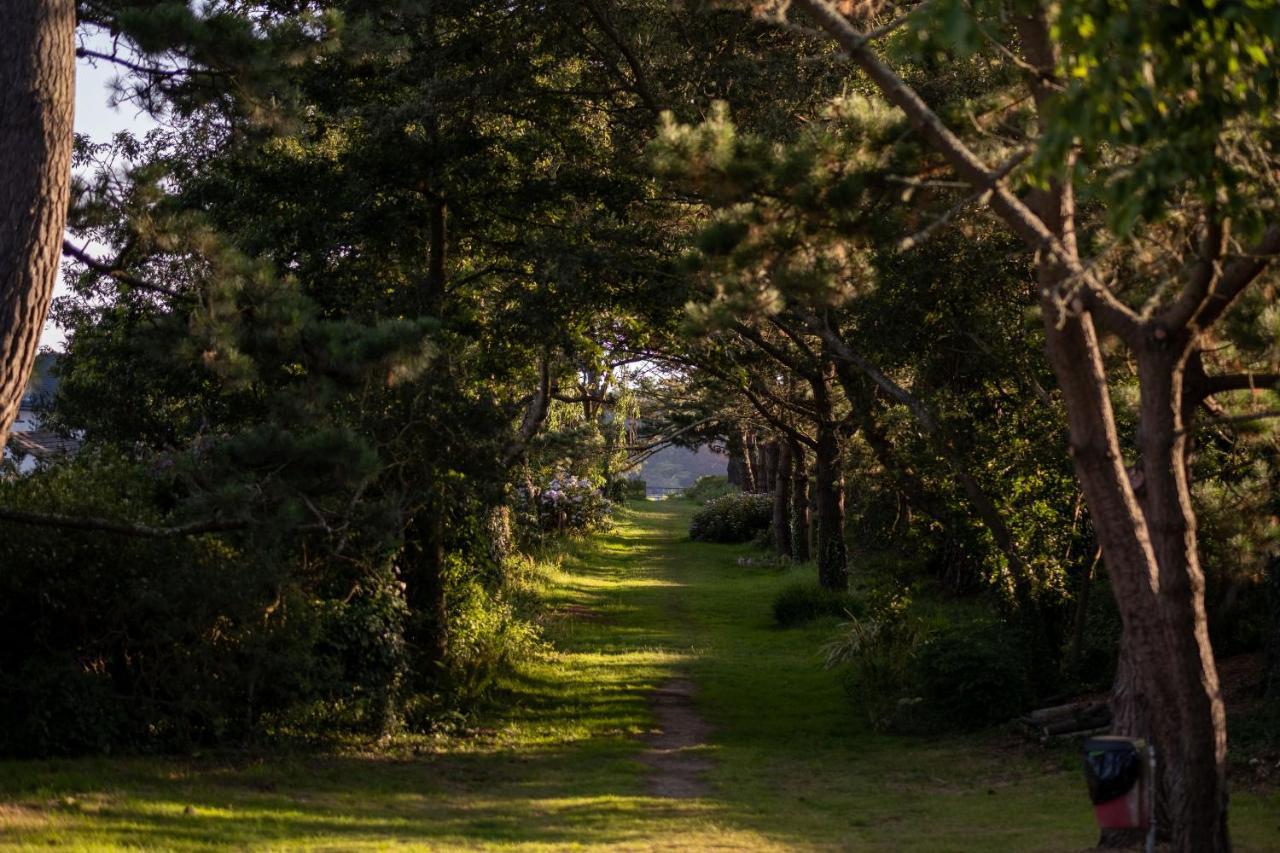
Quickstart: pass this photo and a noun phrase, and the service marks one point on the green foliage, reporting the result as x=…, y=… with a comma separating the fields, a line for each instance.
x=732, y=518
x=709, y=487
x=487, y=637
x=565, y=504
x=162, y=643
x=1163, y=100
x=877, y=656
x=804, y=602
x=908, y=673
x=971, y=676
x=633, y=488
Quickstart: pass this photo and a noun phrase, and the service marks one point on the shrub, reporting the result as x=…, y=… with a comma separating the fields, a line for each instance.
x=114, y=642
x=905, y=677
x=635, y=488
x=566, y=504
x=972, y=676
x=708, y=488
x=733, y=517
x=803, y=602
x=877, y=654
x=485, y=637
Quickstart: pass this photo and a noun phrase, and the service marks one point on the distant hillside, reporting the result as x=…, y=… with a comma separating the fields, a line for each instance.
x=676, y=467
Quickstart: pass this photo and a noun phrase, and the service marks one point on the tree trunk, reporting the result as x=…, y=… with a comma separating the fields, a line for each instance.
x=782, y=500
x=37, y=109
x=770, y=477
x=761, y=466
x=422, y=570
x=1154, y=569
x=736, y=473
x=799, y=505
x=1271, y=676
x=749, y=469
x=1081, y=621
x=833, y=571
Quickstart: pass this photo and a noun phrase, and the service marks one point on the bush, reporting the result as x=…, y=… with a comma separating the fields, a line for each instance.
x=635, y=488
x=708, y=488
x=485, y=637
x=803, y=602
x=732, y=518
x=112, y=642
x=567, y=504
x=972, y=676
x=878, y=655
x=906, y=677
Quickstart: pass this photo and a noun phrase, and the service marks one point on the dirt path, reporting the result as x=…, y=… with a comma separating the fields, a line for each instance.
x=676, y=769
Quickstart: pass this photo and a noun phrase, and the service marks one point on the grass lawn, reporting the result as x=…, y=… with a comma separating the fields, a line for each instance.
x=557, y=767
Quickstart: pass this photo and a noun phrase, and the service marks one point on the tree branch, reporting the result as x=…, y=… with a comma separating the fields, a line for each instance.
x=1110, y=312
x=147, y=70
x=1207, y=273
x=534, y=416
x=104, y=525
x=114, y=272
x=639, y=80
x=1212, y=385
x=1235, y=278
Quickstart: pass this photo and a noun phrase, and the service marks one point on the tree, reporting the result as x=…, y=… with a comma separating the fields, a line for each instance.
x=1143, y=514
x=187, y=58
x=37, y=77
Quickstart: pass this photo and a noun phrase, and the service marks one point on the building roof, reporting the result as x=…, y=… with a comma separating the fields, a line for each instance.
x=42, y=444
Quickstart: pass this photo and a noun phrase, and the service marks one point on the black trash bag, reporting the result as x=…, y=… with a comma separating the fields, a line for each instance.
x=1112, y=766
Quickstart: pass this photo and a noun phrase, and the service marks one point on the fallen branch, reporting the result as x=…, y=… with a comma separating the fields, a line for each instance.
x=124, y=528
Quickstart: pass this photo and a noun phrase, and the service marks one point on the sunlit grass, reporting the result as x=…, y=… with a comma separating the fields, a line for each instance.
x=555, y=765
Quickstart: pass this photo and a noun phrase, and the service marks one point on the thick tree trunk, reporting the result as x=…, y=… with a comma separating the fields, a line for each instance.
x=1194, y=749
x=799, y=505
x=782, y=500
x=37, y=109
x=1152, y=562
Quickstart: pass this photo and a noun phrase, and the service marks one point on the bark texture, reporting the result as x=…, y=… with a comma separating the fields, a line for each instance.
x=37, y=109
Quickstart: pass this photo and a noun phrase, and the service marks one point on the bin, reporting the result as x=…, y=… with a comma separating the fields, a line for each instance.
x=1115, y=768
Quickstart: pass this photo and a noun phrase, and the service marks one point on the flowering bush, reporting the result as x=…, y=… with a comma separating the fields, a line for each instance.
x=566, y=503
x=735, y=517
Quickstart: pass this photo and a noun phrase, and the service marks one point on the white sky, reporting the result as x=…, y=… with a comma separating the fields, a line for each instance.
x=96, y=117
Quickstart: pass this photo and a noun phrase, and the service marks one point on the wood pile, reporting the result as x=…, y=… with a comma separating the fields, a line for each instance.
x=1077, y=718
